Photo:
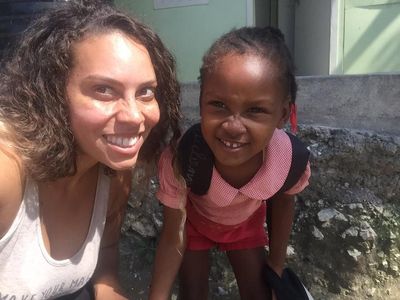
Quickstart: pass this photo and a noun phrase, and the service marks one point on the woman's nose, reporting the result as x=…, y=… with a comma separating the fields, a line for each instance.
x=130, y=112
x=234, y=126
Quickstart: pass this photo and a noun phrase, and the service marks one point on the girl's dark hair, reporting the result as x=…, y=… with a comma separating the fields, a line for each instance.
x=33, y=104
x=268, y=43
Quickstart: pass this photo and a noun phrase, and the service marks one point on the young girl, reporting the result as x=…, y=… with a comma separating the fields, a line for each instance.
x=88, y=92
x=247, y=91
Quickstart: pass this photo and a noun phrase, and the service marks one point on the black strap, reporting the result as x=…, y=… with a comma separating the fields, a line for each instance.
x=287, y=287
x=195, y=160
x=300, y=157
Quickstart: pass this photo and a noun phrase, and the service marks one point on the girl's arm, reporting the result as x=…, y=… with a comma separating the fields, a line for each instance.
x=105, y=279
x=281, y=220
x=168, y=256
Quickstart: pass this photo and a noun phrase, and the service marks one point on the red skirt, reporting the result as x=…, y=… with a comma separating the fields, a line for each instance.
x=203, y=234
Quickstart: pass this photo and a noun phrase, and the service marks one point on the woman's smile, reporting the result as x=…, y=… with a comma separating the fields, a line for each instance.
x=112, y=99
x=121, y=141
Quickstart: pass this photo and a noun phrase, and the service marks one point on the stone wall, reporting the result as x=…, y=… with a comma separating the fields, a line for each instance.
x=346, y=237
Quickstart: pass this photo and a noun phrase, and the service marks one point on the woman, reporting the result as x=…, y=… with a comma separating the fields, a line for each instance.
x=87, y=88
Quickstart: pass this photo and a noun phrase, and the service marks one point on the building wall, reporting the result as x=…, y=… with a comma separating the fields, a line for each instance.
x=312, y=37
x=189, y=31
x=325, y=36
x=371, y=36
x=347, y=36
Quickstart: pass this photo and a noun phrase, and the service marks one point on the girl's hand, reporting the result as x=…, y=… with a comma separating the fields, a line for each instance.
x=278, y=269
x=280, y=219
x=170, y=250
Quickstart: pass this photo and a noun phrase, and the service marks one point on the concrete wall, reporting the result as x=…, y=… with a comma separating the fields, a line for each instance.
x=364, y=102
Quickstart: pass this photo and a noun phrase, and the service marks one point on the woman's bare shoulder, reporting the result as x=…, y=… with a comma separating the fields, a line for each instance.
x=11, y=187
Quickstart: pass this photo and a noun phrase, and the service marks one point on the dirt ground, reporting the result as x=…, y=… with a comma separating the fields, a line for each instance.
x=135, y=274
x=135, y=271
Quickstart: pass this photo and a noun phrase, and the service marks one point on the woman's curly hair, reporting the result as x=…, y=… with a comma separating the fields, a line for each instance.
x=34, y=114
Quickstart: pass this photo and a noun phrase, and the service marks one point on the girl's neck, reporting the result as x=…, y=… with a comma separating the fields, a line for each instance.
x=239, y=176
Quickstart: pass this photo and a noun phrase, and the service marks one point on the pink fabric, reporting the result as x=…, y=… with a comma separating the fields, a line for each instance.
x=225, y=204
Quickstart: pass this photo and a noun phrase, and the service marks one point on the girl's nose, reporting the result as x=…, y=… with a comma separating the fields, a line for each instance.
x=234, y=126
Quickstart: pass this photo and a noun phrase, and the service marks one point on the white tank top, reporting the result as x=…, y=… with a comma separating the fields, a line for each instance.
x=27, y=271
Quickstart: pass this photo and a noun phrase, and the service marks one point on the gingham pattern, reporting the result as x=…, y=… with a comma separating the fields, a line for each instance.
x=227, y=205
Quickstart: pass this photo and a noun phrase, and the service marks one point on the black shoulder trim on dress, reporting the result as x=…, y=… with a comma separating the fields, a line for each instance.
x=300, y=157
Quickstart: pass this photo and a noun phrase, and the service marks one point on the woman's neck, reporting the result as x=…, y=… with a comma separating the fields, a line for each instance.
x=85, y=168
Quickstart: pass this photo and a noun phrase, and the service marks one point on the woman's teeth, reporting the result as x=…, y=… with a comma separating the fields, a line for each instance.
x=122, y=142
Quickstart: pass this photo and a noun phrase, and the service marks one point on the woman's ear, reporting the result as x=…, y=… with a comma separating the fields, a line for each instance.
x=200, y=98
x=284, y=114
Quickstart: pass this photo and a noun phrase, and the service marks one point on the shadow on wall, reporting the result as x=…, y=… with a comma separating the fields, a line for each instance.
x=371, y=48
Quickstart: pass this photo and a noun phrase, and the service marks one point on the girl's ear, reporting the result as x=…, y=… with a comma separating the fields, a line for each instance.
x=285, y=114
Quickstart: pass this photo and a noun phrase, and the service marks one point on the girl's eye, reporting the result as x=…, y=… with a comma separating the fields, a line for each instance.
x=146, y=94
x=217, y=104
x=256, y=110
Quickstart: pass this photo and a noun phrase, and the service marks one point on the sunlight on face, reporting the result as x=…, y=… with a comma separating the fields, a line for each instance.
x=111, y=92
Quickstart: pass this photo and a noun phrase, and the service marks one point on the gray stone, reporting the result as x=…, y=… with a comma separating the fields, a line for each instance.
x=352, y=231
x=317, y=233
x=354, y=253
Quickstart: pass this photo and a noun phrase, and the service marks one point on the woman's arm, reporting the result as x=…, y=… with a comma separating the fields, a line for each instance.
x=168, y=256
x=11, y=188
x=105, y=279
x=281, y=220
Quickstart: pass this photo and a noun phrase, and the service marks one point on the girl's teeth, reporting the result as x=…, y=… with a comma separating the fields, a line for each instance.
x=122, y=141
x=231, y=145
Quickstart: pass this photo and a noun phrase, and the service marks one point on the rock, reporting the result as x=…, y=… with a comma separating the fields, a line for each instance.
x=317, y=234
x=354, y=253
x=356, y=206
x=371, y=292
x=352, y=231
x=385, y=264
x=290, y=251
x=327, y=214
x=366, y=232
x=221, y=291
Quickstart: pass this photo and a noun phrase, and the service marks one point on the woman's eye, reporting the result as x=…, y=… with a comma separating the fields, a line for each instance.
x=146, y=94
x=103, y=89
x=104, y=92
